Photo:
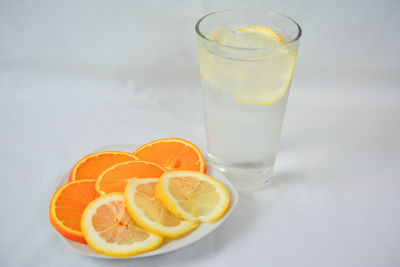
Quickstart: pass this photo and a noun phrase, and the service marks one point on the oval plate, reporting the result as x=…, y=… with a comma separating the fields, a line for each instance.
x=169, y=244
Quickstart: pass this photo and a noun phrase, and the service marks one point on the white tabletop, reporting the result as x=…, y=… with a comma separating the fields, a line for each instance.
x=335, y=197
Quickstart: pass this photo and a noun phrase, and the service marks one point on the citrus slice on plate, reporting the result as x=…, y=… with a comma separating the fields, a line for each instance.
x=91, y=166
x=173, y=154
x=115, y=178
x=109, y=229
x=150, y=214
x=193, y=195
x=67, y=206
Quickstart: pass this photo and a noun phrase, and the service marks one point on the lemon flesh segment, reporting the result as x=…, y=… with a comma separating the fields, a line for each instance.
x=109, y=229
x=193, y=195
x=150, y=214
x=261, y=80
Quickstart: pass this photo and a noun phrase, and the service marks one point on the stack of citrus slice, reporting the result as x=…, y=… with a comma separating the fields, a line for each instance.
x=122, y=204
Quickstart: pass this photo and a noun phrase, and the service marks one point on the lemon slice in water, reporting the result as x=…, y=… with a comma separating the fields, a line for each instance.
x=262, y=76
x=251, y=37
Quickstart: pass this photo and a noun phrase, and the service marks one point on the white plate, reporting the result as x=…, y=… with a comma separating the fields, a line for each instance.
x=169, y=244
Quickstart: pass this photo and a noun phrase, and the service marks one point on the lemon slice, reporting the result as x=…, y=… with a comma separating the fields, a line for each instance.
x=193, y=195
x=144, y=208
x=258, y=73
x=109, y=229
x=251, y=37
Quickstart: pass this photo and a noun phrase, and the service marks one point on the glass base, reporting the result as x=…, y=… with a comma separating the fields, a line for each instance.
x=246, y=178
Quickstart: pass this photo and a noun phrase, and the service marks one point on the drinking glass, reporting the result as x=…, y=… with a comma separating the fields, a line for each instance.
x=246, y=61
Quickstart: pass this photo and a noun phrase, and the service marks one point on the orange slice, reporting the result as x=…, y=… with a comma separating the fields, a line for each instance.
x=115, y=178
x=150, y=214
x=109, y=229
x=67, y=206
x=173, y=154
x=91, y=166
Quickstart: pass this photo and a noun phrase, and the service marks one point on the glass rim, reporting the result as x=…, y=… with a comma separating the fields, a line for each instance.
x=286, y=44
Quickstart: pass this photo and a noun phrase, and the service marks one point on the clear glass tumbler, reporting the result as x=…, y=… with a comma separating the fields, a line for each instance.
x=246, y=60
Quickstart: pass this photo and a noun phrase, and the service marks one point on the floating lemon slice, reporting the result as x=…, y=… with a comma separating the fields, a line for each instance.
x=192, y=195
x=275, y=81
x=262, y=73
x=251, y=37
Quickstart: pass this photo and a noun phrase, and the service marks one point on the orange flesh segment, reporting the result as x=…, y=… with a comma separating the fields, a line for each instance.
x=173, y=155
x=71, y=203
x=116, y=178
x=92, y=167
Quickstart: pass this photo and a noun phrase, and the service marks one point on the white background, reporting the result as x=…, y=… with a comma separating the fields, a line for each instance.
x=76, y=75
